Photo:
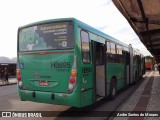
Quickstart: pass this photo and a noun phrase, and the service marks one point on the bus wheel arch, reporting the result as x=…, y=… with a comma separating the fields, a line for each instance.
x=113, y=87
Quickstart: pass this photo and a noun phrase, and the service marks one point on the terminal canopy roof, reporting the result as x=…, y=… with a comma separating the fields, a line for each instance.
x=144, y=18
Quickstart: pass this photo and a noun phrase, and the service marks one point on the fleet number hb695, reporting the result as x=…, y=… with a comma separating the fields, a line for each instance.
x=61, y=65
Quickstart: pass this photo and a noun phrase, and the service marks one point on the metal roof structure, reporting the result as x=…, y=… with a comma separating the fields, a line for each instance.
x=144, y=18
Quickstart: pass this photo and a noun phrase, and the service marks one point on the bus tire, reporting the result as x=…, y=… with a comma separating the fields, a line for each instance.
x=113, y=88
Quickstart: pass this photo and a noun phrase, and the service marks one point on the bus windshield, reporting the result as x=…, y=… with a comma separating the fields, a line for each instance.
x=58, y=35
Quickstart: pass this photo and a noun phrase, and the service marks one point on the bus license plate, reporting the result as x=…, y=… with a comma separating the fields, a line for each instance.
x=43, y=83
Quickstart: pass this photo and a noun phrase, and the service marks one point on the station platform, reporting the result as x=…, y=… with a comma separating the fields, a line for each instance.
x=145, y=100
x=11, y=82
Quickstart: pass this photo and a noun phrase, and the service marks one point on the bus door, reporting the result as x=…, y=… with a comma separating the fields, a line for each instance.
x=98, y=57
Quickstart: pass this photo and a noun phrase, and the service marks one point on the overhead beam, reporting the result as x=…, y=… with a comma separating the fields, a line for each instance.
x=152, y=32
x=156, y=22
x=155, y=52
x=120, y=6
x=156, y=40
x=145, y=19
x=142, y=10
x=155, y=46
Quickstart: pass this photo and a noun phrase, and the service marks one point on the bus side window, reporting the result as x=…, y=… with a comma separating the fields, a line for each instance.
x=99, y=54
x=85, y=47
x=113, y=52
x=120, y=54
x=108, y=52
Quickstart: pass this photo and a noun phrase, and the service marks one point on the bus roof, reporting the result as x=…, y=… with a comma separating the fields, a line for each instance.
x=81, y=24
x=100, y=33
x=47, y=21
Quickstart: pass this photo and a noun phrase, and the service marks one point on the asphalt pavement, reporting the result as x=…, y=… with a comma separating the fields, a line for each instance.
x=144, y=100
x=11, y=81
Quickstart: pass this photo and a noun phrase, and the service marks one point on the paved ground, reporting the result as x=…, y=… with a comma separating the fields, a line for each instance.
x=9, y=101
x=11, y=82
x=146, y=99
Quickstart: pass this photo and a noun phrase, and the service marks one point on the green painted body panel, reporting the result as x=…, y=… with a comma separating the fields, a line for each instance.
x=43, y=66
x=85, y=75
x=115, y=70
x=45, y=97
x=86, y=98
x=37, y=67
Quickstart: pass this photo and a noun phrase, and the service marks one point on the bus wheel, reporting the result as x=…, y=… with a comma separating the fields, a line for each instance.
x=113, y=89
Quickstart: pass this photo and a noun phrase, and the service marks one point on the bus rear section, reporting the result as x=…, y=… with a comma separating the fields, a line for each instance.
x=47, y=63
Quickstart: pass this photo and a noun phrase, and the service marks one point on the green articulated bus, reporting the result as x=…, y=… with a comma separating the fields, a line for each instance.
x=67, y=62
